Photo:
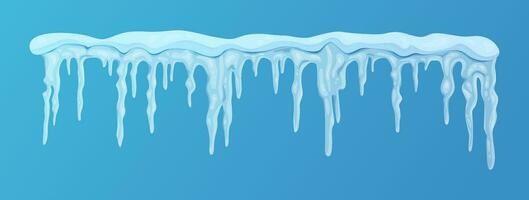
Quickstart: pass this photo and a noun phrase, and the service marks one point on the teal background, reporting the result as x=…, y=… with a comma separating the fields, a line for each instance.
x=265, y=160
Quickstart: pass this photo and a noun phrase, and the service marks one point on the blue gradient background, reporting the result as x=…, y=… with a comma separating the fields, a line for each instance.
x=265, y=160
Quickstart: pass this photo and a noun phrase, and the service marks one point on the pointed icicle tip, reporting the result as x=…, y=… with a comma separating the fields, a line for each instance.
x=255, y=66
x=68, y=66
x=151, y=129
x=211, y=150
x=328, y=153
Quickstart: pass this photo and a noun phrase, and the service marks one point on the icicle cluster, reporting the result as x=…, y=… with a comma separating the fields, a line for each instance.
x=223, y=60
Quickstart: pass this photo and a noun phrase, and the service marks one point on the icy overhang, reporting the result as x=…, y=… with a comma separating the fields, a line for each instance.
x=402, y=44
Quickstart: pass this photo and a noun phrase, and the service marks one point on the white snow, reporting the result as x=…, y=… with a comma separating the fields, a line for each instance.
x=223, y=59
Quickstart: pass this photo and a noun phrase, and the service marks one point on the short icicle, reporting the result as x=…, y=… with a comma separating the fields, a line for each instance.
x=190, y=82
x=373, y=61
x=255, y=64
x=362, y=72
x=238, y=78
x=447, y=84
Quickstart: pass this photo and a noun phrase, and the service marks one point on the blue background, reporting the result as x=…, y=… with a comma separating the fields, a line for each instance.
x=265, y=160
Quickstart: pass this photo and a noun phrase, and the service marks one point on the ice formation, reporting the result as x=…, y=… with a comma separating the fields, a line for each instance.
x=223, y=60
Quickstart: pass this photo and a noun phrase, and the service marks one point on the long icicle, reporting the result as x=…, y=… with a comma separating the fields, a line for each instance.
x=80, y=87
x=396, y=97
x=470, y=91
x=490, y=100
x=297, y=93
x=121, y=86
x=51, y=68
x=151, y=95
x=215, y=95
x=227, y=107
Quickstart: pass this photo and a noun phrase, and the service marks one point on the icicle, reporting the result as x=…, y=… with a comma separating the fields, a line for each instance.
x=227, y=107
x=396, y=97
x=297, y=92
x=331, y=78
x=486, y=74
x=339, y=78
x=325, y=88
x=46, y=96
x=470, y=91
x=229, y=62
x=80, y=87
x=282, y=64
x=121, y=86
x=234, y=61
x=490, y=100
x=361, y=60
x=447, y=84
x=165, y=66
x=275, y=74
x=427, y=63
x=151, y=95
x=51, y=67
x=56, y=89
x=255, y=64
x=329, y=124
x=215, y=96
x=171, y=78
x=373, y=60
x=104, y=62
x=133, y=75
x=415, y=71
x=190, y=82
x=238, y=79
x=300, y=60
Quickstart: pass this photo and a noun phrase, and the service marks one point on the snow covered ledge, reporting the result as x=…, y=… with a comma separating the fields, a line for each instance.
x=223, y=60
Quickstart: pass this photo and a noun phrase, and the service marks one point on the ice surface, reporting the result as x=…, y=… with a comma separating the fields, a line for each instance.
x=223, y=60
